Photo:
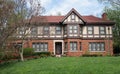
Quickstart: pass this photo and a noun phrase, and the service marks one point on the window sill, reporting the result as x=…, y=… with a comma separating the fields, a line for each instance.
x=75, y=51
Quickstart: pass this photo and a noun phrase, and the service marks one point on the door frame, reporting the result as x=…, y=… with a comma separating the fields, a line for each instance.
x=62, y=45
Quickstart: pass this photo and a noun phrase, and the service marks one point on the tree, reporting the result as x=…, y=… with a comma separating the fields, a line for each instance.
x=18, y=14
x=113, y=12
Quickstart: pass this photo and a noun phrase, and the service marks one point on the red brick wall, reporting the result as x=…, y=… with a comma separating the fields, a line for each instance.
x=84, y=43
x=85, y=47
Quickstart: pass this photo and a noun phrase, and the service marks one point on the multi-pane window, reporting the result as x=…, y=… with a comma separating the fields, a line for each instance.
x=90, y=30
x=73, y=29
x=80, y=30
x=66, y=46
x=73, y=46
x=40, y=47
x=102, y=30
x=34, y=31
x=65, y=29
x=46, y=30
x=70, y=29
x=58, y=29
x=96, y=46
x=21, y=30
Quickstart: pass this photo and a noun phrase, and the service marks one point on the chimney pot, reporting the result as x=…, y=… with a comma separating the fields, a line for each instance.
x=104, y=16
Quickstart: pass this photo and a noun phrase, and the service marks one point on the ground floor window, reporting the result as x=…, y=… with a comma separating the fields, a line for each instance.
x=96, y=46
x=73, y=46
x=40, y=47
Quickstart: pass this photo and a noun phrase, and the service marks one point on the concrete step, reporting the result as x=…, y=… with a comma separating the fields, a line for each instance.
x=58, y=55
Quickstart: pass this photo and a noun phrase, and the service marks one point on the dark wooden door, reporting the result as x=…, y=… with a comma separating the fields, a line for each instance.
x=58, y=48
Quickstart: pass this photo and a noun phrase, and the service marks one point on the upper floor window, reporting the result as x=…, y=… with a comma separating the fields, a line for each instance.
x=102, y=30
x=34, y=31
x=80, y=30
x=73, y=46
x=73, y=29
x=21, y=30
x=46, y=30
x=72, y=17
x=58, y=30
x=90, y=30
x=65, y=29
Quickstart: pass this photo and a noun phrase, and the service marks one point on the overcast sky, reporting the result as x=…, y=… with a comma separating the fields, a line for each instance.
x=84, y=7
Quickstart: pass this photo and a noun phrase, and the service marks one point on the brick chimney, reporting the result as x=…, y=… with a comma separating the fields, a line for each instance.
x=104, y=16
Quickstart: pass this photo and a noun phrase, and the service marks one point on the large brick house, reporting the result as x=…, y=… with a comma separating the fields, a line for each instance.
x=72, y=35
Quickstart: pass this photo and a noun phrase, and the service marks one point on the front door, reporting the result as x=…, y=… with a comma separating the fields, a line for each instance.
x=58, y=48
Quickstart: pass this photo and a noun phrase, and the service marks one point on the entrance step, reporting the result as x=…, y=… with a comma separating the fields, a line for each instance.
x=58, y=55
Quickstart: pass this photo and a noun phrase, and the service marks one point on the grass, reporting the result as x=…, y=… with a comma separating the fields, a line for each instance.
x=64, y=65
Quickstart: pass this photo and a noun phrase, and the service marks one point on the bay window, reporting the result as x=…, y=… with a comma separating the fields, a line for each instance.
x=73, y=29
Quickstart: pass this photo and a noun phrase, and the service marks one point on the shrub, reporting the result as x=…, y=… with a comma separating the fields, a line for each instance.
x=8, y=55
x=42, y=54
x=91, y=55
x=1, y=55
x=28, y=51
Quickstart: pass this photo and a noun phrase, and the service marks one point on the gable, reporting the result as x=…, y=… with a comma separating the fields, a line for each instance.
x=73, y=18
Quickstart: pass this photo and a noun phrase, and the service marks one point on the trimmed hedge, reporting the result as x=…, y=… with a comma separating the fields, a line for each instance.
x=28, y=52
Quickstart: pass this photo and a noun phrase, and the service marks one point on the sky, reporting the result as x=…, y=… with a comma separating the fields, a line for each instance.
x=84, y=7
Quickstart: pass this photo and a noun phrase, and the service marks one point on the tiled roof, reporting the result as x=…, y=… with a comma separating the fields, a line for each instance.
x=93, y=19
x=57, y=19
x=48, y=19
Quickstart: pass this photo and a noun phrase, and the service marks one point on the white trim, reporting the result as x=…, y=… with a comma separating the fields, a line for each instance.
x=62, y=45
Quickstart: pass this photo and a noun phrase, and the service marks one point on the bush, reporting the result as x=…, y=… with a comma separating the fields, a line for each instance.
x=1, y=55
x=42, y=54
x=28, y=51
x=91, y=55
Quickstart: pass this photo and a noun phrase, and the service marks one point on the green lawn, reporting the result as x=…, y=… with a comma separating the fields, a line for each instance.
x=65, y=65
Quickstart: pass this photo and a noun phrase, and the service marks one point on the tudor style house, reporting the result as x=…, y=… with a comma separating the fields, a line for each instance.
x=72, y=35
